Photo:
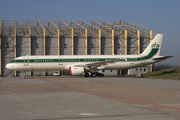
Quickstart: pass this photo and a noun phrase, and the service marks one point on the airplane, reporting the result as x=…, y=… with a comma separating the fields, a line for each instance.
x=79, y=64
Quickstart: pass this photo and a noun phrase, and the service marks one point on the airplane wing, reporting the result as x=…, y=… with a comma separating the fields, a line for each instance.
x=159, y=58
x=98, y=64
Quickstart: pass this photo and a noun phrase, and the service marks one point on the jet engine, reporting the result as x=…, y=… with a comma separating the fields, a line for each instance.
x=76, y=70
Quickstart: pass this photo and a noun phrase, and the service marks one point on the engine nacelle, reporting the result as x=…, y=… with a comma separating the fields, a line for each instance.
x=76, y=70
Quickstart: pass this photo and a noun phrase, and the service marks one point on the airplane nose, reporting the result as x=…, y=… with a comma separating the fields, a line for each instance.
x=8, y=66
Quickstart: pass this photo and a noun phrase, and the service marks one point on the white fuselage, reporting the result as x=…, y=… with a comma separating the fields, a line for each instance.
x=61, y=63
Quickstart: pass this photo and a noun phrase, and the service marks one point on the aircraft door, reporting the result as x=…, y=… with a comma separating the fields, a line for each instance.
x=26, y=61
x=60, y=60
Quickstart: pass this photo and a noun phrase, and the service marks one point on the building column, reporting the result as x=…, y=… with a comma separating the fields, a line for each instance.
x=125, y=41
x=99, y=41
x=15, y=50
x=72, y=37
x=58, y=34
x=85, y=41
x=58, y=41
x=112, y=41
x=30, y=45
x=151, y=35
x=151, y=38
x=138, y=41
x=44, y=39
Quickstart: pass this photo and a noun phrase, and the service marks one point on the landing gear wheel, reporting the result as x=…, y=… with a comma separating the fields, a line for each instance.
x=26, y=76
x=86, y=74
x=102, y=75
x=93, y=74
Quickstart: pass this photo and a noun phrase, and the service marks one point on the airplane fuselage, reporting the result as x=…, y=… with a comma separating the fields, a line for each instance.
x=60, y=63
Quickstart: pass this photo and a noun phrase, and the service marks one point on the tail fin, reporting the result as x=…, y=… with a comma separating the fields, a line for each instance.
x=154, y=47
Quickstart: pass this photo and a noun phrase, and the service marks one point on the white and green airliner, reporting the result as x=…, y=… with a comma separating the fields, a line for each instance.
x=79, y=64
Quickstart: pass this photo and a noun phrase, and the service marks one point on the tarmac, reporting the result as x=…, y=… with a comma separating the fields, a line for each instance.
x=80, y=98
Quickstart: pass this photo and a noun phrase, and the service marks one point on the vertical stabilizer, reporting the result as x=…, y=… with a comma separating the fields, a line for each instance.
x=154, y=47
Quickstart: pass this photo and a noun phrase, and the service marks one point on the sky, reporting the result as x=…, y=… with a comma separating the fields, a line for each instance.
x=161, y=16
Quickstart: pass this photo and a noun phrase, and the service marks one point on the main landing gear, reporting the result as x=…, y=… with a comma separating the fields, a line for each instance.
x=86, y=74
x=93, y=74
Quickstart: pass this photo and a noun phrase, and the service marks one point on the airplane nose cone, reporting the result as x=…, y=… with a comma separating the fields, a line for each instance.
x=8, y=66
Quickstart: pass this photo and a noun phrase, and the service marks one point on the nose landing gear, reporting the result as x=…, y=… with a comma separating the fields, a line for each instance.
x=26, y=75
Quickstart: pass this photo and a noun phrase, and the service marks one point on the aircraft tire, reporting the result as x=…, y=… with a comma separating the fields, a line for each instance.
x=86, y=74
x=26, y=77
x=102, y=75
x=93, y=74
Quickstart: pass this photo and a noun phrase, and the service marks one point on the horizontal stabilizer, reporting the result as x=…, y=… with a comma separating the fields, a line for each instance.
x=161, y=57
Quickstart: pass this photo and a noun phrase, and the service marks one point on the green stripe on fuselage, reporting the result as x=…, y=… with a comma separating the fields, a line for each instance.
x=150, y=55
